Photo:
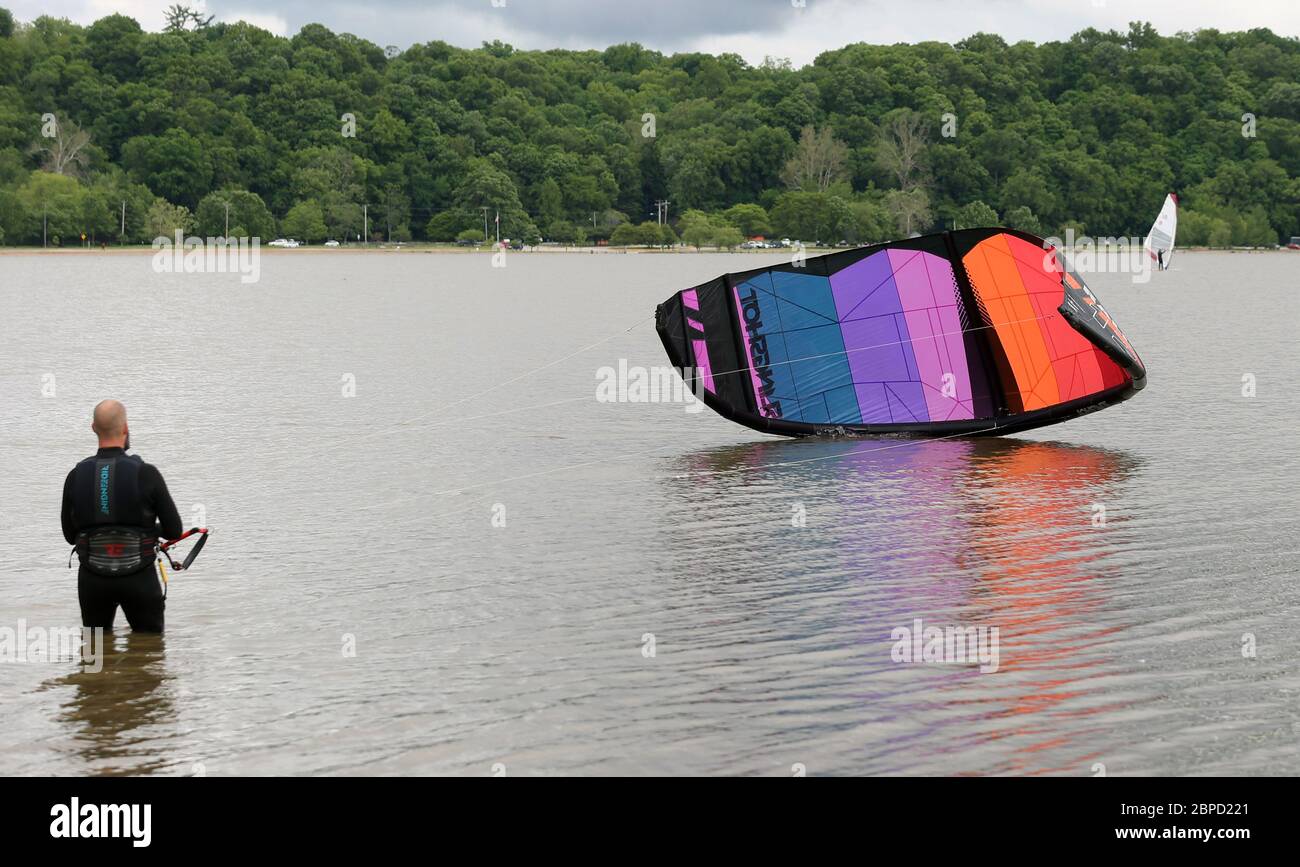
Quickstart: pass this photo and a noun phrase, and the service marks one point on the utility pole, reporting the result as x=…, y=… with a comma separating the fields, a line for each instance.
x=45, y=226
x=484, y=209
x=227, y=235
x=365, y=238
x=123, y=222
x=661, y=211
x=498, y=222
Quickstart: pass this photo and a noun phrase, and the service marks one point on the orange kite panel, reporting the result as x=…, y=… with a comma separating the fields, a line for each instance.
x=996, y=277
x=1019, y=284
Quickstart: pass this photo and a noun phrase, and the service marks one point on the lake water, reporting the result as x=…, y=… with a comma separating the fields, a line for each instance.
x=648, y=605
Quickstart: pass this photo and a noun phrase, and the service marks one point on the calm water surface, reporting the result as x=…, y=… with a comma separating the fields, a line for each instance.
x=369, y=520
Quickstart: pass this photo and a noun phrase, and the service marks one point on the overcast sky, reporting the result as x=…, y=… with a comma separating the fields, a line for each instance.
x=752, y=28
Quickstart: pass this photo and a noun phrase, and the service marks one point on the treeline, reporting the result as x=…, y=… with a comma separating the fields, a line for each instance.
x=225, y=129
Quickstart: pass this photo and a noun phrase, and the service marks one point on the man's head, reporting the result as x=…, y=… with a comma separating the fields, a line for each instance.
x=110, y=425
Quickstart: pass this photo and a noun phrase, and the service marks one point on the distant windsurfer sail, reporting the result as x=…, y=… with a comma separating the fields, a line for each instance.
x=1160, y=240
x=980, y=331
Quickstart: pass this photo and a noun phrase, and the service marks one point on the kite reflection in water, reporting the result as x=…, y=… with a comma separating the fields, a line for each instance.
x=827, y=547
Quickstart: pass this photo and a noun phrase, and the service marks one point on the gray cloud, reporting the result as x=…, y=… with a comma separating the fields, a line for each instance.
x=751, y=28
x=532, y=23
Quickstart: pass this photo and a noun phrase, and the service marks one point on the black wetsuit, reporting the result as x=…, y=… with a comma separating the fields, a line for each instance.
x=137, y=497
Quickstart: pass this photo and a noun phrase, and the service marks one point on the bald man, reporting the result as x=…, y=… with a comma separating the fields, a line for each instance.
x=115, y=506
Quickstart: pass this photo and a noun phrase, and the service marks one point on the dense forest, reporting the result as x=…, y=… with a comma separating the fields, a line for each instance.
x=228, y=129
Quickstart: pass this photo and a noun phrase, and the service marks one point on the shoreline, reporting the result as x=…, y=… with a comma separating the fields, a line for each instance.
x=404, y=248
x=450, y=248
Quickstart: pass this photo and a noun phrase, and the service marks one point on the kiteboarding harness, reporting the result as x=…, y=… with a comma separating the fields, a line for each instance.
x=114, y=506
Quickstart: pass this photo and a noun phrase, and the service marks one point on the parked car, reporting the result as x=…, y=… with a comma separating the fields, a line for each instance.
x=1294, y=243
x=331, y=243
x=283, y=242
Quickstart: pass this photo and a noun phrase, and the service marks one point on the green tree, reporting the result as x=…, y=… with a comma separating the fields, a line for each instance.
x=1090, y=131
x=96, y=217
x=1029, y=189
x=697, y=230
x=55, y=208
x=173, y=165
x=562, y=231
x=625, y=235
x=1196, y=229
x=305, y=220
x=448, y=225
x=113, y=46
x=19, y=224
x=393, y=214
x=124, y=199
x=484, y=185
x=1255, y=230
x=810, y=217
x=866, y=222
x=727, y=237
x=164, y=219
x=388, y=136
x=695, y=181
x=976, y=215
x=246, y=211
x=550, y=202
x=1023, y=218
x=344, y=218
x=751, y=219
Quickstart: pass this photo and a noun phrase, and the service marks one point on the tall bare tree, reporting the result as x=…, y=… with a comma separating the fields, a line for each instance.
x=902, y=144
x=65, y=151
x=911, y=208
x=817, y=163
x=181, y=18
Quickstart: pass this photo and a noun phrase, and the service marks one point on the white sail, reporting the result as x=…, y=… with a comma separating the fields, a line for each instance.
x=1160, y=240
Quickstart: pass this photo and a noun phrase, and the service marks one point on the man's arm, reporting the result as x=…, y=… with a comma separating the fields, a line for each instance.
x=69, y=523
x=163, y=507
